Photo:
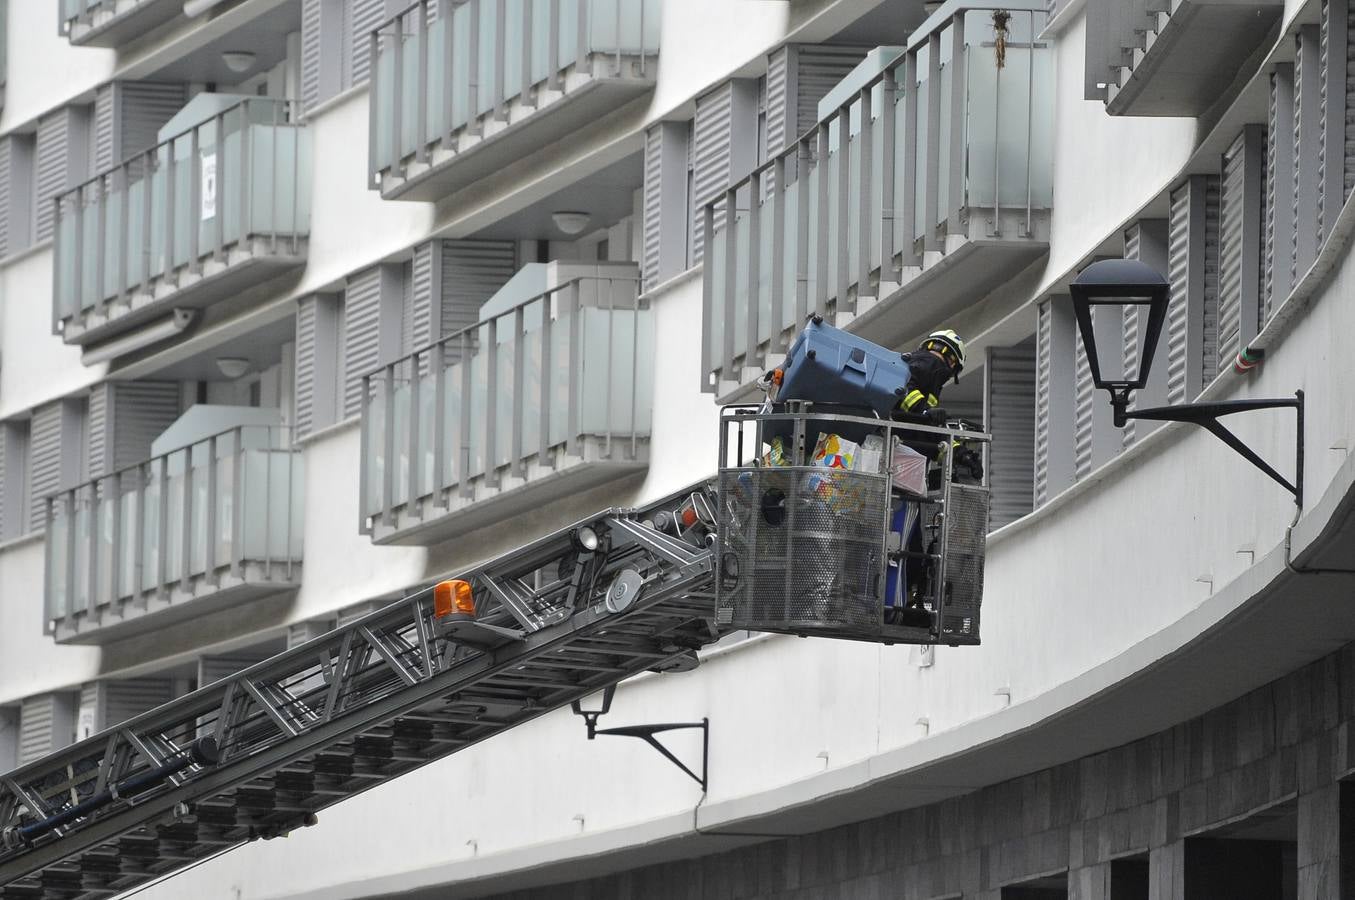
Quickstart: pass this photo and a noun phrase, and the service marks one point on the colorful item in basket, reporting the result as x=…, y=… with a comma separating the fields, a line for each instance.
x=841, y=493
x=776, y=454
x=834, y=452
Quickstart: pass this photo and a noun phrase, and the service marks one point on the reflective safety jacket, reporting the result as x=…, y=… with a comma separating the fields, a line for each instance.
x=927, y=374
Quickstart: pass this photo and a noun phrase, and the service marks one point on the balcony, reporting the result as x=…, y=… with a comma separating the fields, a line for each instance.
x=545, y=396
x=1170, y=57
x=951, y=153
x=212, y=523
x=111, y=23
x=216, y=209
x=457, y=97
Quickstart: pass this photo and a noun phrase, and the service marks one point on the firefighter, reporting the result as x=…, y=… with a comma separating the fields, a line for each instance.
x=938, y=360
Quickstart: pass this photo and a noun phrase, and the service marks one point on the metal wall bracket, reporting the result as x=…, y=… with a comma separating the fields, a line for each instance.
x=647, y=734
x=1207, y=416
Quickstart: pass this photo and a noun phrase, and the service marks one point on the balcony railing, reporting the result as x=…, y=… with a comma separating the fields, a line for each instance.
x=943, y=157
x=216, y=522
x=1170, y=57
x=197, y=218
x=496, y=73
x=548, y=397
x=110, y=23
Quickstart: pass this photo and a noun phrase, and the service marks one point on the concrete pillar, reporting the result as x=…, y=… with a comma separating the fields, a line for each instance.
x=1167, y=872
x=1326, y=844
x=1121, y=879
x=1090, y=883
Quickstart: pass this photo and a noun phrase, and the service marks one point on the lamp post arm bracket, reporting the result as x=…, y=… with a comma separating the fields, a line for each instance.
x=647, y=734
x=1207, y=416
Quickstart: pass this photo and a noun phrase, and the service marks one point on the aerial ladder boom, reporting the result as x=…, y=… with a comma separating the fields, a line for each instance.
x=258, y=754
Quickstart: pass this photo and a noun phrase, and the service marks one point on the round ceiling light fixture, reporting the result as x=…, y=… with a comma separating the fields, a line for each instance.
x=232, y=366
x=571, y=222
x=238, y=61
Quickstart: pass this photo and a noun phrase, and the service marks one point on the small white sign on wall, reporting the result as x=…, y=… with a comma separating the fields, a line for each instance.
x=208, y=186
x=85, y=727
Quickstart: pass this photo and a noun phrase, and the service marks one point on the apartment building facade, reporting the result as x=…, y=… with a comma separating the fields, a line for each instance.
x=308, y=303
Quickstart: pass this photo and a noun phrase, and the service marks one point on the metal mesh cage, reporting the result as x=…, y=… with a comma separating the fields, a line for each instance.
x=802, y=550
x=966, y=526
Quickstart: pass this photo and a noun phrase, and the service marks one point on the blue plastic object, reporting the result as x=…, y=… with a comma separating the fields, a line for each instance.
x=828, y=365
x=906, y=524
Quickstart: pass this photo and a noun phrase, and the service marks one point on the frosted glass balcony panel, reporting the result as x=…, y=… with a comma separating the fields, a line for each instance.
x=454, y=79
x=112, y=23
x=554, y=384
x=958, y=146
x=230, y=198
x=175, y=536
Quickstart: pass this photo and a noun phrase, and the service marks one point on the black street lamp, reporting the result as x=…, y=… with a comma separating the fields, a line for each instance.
x=1111, y=285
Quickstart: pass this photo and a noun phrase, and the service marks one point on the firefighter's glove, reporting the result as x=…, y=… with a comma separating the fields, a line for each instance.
x=936, y=415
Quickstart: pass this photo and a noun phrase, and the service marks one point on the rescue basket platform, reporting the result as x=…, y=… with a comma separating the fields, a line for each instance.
x=877, y=540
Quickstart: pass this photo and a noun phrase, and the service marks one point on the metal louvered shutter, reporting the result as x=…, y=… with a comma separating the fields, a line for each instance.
x=1146, y=241
x=142, y=410
x=1239, y=245
x=1130, y=348
x=46, y=724
x=407, y=314
x=1043, y=330
x=14, y=489
x=418, y=322
x=304, y=394
x=55, y=144
x=9, y=738
x=1307, y=106
x=781, y=98
x=318, y=354
x=711, y=158
x=312, y=48
x=665, y=202
x=143, y=108
x=107, y=704
x=1084, y=395
x=6, y=490
x=97, y=427
x=6, y=192
x=1185, y=276
x=472, y=272
x=104, y=104
x=1332, y=140
x=361, y=334
x=653, y=195
x=819, y=69
x=1349, y=165
x=44, y=460
x=16, y=210
x=1279, y=188
x=365, y=17
x=1055, y=403
x=1010, y=399
x=1210, y=307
